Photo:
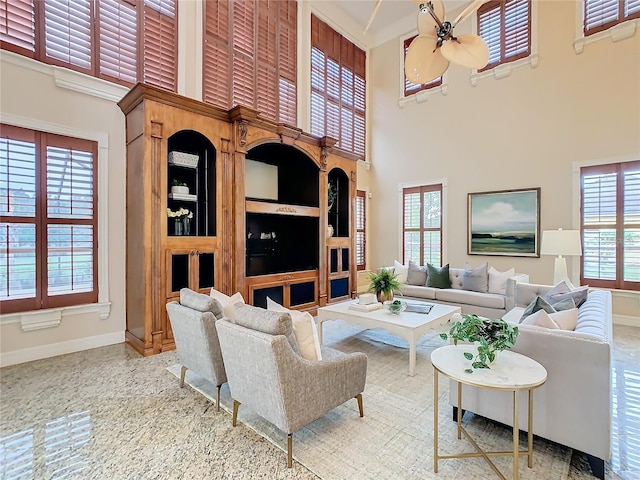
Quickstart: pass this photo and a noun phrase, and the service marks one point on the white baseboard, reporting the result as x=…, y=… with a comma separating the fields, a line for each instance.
x=61, y=348
x=628, y=320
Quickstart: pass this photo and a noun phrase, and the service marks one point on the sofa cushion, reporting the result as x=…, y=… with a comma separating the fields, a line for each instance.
x=438, y=277
x=419, y=292
x=265, y=321
x=305, y=330
x=488, y=300
x=456, y=276
x=566, y=304
x=417, y=274
x=498, y=280
x=227, y=302
x=402, y=271
x=590, y=315
x=566, y=319
x=538, y=303
x=476, y=279
x=541, y=319
x=200, y=302
x=564, y=290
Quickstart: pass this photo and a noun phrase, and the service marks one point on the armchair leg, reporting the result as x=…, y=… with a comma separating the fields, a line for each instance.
x=359, y=398
x=218, y=398
x=289, y=450
x=183, y=371
x=236, y=404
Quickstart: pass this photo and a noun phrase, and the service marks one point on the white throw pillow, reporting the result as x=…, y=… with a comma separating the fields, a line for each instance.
x=402, y=271
x=566, y=319
x=227, y=302
x=498, y=280
x=304, y=329
x=541, y=319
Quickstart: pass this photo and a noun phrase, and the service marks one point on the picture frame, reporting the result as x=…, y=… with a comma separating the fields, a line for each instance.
x=504, y=222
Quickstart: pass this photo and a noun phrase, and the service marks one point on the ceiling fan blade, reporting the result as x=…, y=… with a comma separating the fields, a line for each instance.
x=424, y=61
x=472, y=7
x=467, y=50
x=376, y=7
x=426, y=24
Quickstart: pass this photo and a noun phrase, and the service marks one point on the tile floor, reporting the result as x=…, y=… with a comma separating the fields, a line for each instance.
x=108, y=413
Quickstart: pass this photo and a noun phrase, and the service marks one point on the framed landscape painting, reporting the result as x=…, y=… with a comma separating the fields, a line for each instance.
x=504, y=223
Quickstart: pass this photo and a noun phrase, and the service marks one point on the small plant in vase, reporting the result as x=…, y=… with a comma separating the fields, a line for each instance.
x=492, y=336
x=383, y=284
x=332, y=194
x=178, y=186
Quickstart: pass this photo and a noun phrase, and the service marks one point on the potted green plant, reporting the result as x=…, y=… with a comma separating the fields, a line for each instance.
x=332, y=193
x=178, y=186
x=491, y=335
x=383, y=284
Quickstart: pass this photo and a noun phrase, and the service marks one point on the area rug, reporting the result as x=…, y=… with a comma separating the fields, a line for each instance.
x=394, y=439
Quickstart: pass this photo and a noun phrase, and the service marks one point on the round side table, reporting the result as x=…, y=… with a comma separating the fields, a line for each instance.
x=511, y=372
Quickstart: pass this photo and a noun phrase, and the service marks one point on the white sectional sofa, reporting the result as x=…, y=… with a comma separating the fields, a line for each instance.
x=486, y=304
x=573, y=407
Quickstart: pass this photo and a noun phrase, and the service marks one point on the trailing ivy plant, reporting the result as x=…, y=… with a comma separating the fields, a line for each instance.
x=492, y=337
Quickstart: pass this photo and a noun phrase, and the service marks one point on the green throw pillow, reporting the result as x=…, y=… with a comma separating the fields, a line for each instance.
x=438, y=277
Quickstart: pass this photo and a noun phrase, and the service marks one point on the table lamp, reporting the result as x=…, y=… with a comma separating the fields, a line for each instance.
x=561, y=242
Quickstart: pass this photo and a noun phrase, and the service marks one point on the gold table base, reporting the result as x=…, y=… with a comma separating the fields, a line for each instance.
x=515, y=453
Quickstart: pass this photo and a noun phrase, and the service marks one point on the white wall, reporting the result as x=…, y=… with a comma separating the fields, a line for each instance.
x=526, y=130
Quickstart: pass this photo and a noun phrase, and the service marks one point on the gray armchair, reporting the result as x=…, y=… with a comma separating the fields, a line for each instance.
x=267, y=374
x=193, y=322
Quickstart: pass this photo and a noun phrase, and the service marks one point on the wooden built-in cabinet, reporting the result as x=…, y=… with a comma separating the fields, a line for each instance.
x=256, y=214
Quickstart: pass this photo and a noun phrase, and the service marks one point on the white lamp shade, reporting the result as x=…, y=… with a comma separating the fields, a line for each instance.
x=424, y=62
x=561, y=242
x=468, y=50
x=426, y=24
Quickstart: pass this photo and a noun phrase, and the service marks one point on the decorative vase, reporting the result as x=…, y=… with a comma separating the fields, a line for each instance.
x=180, y=189
x=177, y=229
x=330, y=230
x=384, y=296
x=186, y=228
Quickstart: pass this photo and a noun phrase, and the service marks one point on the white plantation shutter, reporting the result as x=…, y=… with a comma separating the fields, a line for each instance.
x=422, y=224
x=217, y=54
x=118, y=44
x=287, y=62
x=338, y=88
x=600, y=15
x=48, y=223
x=160, y=43
x=68, y=31
x=506, y=29
x=611, y=225
x=18, y=25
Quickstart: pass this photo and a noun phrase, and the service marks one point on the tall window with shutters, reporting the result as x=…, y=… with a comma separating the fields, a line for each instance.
x=249, y=56
x=610, y=207
x=422, y=224
x=411, y=88
x=48, y=221
x=361, y=233
x=505, y=26
x=337, y=88
x=121, y=41
x=601, y=15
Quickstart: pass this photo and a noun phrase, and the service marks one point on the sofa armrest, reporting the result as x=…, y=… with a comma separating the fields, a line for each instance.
x=510, y=293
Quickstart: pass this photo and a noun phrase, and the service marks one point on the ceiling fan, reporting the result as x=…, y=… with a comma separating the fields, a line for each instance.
x=436, y=45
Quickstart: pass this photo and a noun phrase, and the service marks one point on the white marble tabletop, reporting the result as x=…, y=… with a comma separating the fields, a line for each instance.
x=510, y=371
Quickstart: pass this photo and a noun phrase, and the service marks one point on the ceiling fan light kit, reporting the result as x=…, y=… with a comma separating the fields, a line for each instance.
x=430, y=52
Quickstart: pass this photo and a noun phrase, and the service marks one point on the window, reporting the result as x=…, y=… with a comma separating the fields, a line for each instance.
x=422, y=224
x=250, y=56
x=600, y=15
x=610, y=207
x=505, y=26
x=106, y=39
x=361, y=223
x=411, y=88
x=337, y=88
x=48, y=222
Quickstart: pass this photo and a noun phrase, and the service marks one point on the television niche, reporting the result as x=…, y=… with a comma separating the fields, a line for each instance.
x=281, y=243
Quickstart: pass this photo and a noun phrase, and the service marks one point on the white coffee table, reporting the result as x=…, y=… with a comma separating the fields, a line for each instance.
x=511, y=372
x=407, y=325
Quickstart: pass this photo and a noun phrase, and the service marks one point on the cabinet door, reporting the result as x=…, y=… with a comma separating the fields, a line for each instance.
x=339, y=287
x=203, y=278
x=189, y=268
